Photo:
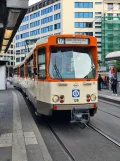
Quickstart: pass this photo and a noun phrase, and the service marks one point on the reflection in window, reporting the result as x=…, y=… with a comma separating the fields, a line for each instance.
x=30, y=67
x=41, y=63
x=71, y=63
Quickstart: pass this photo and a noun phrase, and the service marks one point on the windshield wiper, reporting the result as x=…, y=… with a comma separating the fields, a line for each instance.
x=57, y=71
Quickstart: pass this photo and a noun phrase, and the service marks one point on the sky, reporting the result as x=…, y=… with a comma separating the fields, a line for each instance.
x=33, y=1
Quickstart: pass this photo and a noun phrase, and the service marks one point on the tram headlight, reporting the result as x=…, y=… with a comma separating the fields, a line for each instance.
x=93, y=97
x=55, y=98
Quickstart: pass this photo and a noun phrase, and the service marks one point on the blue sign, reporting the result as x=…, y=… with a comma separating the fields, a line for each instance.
x=76, y=93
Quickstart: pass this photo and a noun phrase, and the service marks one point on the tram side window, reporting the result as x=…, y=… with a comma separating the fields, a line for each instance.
x=41, y=63
x=22, y=71
x=30, y=67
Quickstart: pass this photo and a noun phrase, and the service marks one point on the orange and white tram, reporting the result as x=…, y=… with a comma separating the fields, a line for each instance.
x=60, y=73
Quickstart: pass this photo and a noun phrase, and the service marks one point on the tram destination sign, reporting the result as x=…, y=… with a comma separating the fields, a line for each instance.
x=72, y=41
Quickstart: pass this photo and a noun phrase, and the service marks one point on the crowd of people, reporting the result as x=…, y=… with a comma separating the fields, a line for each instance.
x=111, y=83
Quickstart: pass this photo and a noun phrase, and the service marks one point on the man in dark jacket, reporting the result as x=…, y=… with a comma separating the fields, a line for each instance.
x=114, y=85
x=100, y=80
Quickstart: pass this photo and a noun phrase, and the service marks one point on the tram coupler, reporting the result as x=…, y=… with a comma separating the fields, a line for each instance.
x=80, y=116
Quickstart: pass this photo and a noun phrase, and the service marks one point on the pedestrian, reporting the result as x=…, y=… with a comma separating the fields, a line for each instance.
x=114, y=85
x=100, y=80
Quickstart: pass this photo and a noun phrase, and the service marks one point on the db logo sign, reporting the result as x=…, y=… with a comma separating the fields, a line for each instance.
x=76, y=93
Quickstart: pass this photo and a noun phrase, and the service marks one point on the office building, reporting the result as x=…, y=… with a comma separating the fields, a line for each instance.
x=49, y=17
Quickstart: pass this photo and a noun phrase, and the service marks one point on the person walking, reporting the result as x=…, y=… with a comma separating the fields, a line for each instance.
x=100, y=80
x=114, y=85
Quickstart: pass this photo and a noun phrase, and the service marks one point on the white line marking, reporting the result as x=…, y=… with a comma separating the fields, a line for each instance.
x=105, y=135
x=30, y=138
x=18, y=142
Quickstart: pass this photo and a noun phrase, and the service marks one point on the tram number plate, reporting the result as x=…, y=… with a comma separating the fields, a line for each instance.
x=76, y=100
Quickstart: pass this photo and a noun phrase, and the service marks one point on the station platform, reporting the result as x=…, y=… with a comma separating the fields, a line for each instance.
x=20, y=139
x=107, y=95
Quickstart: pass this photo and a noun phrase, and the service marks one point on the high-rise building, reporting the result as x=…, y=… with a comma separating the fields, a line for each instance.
x=49, y=17
x=110, y=28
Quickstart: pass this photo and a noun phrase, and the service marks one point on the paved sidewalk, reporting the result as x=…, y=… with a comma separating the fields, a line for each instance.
x=20, y=139
x=107, y=95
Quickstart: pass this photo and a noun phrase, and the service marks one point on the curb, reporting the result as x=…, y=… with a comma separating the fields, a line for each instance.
x=109, y=99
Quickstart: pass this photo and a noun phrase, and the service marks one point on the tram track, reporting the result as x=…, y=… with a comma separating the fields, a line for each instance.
x=109, y=113
x=67, y=151
x=105, y=135
x=70, y=155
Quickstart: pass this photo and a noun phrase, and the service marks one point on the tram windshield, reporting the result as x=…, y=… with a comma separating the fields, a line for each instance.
x=69, y=63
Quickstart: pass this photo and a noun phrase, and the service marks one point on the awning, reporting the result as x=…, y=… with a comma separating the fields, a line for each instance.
x=113, y=56
x=12, y=13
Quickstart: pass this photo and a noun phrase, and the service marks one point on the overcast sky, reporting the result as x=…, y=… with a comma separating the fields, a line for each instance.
x=33, y=1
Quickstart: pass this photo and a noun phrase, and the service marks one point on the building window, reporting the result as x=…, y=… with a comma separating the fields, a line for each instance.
x=97, y=17
x=47, y=19
x=34, y=15
x=41, y=63
x=57, y=6
x=98, y=23
x=17, y=52
x=26, y=18
x=57, y=26
x=24, y=35
x=34, y=24
x=47, y=29
x=35, y=32
x=47, y=10
x=110, y=6
x=98, y=2
x=83, y=14
x=57, y=16
x=24, y=27
x=17, y=59
x=83, y=24
x=98, y=36
x=84, y=33
x=110, y=16
x=97, y=13
x=119, y=6
x=22, y=58
x=83, y=4
x=97, y=32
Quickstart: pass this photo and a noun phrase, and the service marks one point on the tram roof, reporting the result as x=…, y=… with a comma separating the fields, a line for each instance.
x=113, y=56
x=42, y=41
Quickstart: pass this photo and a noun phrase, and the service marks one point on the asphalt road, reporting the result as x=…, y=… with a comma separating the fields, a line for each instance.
x=87, y=144
x=84, y=144
x=107, y=119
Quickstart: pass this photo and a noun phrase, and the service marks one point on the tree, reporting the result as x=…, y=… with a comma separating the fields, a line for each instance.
x=118, y=65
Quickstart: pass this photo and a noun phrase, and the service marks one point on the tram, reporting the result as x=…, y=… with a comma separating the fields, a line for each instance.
x=60, y=74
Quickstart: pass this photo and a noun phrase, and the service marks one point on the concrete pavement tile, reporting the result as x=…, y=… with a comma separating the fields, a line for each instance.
x=6, y=140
